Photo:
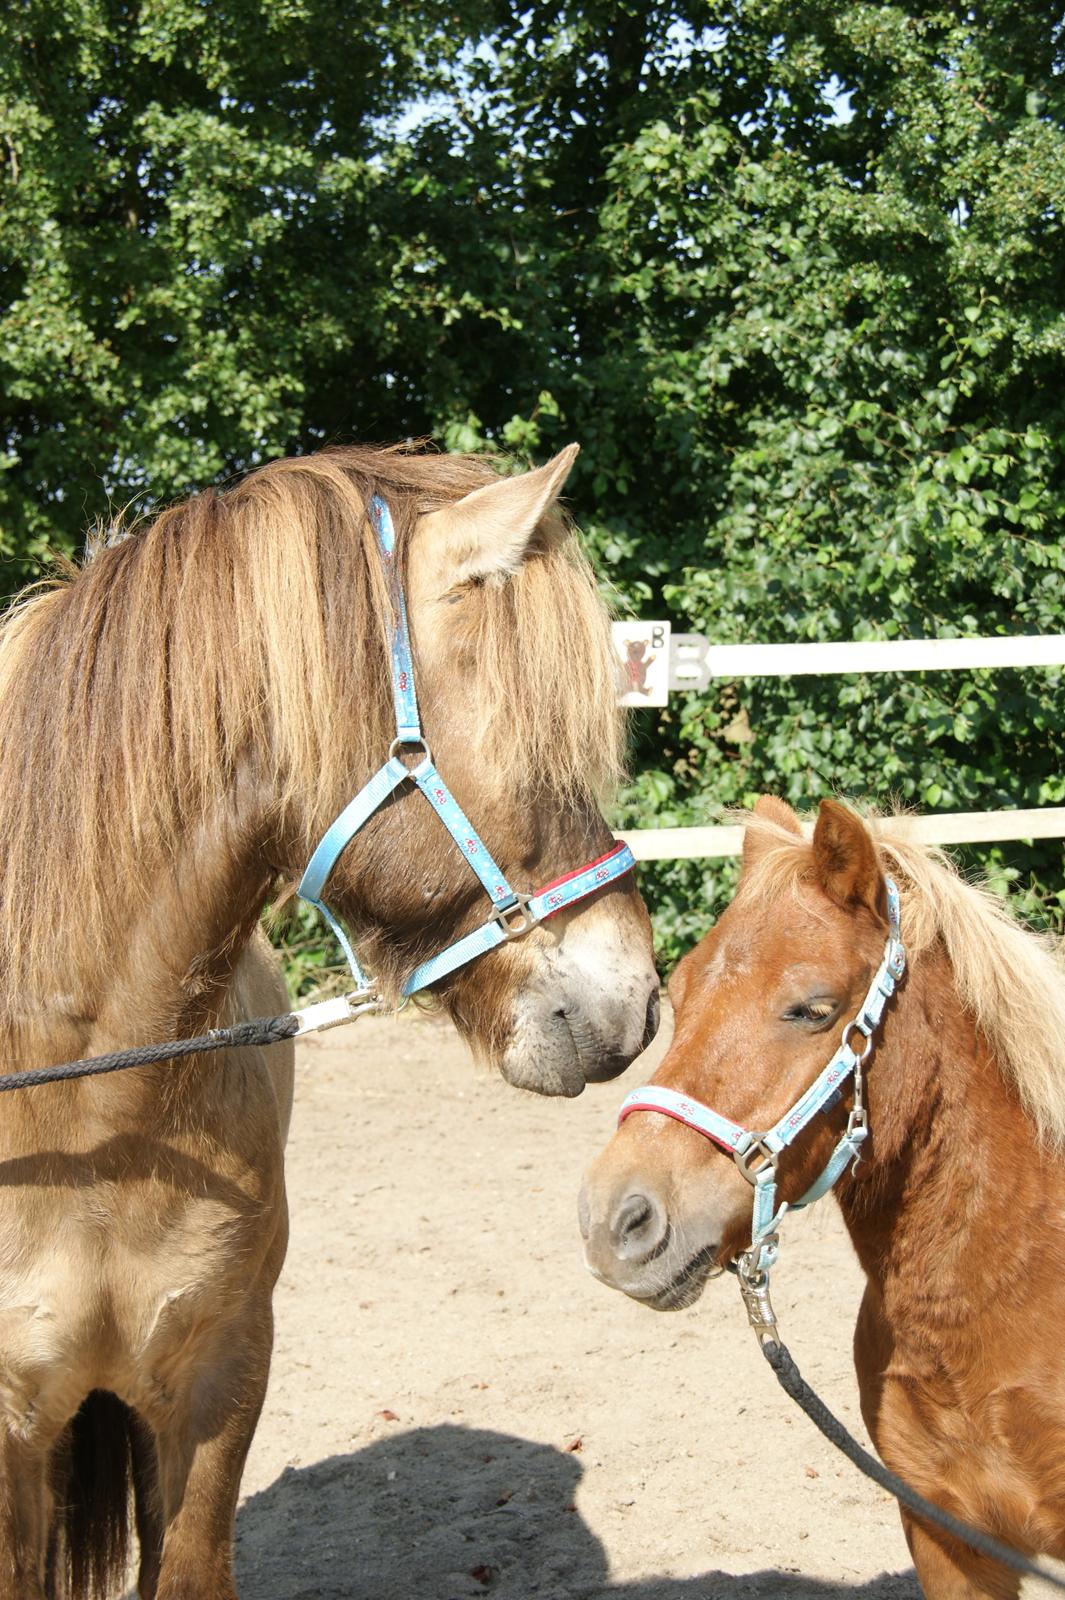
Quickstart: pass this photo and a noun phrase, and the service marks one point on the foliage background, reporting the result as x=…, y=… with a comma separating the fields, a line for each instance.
x=792, y=275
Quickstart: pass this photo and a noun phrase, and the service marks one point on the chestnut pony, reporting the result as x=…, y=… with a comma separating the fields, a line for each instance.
x=957, y=1206
x=180, y=720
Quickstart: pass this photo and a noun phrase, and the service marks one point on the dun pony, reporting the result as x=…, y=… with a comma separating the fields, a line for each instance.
x=180, y=720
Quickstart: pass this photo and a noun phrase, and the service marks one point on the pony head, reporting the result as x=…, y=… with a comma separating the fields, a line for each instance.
x=516, y=692
x=760, y=1003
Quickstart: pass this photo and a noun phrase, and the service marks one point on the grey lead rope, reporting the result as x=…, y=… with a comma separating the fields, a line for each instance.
x=257, y=1031
x=794, y=1384
x=261, y=1031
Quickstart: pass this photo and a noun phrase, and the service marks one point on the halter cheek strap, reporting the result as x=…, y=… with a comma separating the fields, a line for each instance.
x=756, y=1154
x=514, y=914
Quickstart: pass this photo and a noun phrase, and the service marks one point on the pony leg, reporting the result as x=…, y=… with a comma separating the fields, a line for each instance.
x=201, y=1454
x=25, y=1515
x=148, y=1508
x=946, y=1568
x=951, y=1571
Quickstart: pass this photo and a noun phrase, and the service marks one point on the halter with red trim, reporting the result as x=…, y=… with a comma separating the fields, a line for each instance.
x=514, y=913
x=756, y=1154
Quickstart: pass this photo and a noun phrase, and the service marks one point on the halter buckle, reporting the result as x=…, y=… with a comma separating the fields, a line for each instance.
x=520, y=908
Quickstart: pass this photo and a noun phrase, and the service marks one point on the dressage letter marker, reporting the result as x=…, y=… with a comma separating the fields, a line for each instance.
x=642, y=659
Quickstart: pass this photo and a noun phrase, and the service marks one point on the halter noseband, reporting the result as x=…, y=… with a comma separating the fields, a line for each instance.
x=514, y=914
x=756, y=1153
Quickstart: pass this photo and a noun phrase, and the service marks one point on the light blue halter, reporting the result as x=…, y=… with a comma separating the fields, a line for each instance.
x=514, y=914
x=756, y=1153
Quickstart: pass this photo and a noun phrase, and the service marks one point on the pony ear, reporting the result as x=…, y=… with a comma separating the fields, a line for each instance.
x=489, y=532
x=773, y=809
x=845, y=860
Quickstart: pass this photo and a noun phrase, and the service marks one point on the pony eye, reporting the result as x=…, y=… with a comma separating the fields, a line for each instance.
x=820, y=1010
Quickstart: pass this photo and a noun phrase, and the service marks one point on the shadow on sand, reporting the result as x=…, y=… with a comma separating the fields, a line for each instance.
x=445, y=1513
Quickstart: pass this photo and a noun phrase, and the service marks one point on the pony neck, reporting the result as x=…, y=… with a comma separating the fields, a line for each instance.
x=162, y=965
x=153, y=718
x=953, y=1163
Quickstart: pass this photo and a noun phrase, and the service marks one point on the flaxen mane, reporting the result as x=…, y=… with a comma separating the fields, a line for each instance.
x=1010, y=979
x=250, y=626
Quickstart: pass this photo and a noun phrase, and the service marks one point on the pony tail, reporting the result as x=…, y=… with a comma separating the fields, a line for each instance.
x=93, y=1488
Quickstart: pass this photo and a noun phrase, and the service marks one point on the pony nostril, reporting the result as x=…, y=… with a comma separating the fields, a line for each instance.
x=635, y=1214
x=639, y=1226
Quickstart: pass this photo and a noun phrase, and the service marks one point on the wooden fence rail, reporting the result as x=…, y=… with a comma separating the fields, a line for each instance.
x=651, y=664
x=945, y=827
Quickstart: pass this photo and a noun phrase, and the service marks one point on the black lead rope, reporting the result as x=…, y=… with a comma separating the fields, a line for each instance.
x=793, y=1383
x=272, y=1030
x=259, y=1031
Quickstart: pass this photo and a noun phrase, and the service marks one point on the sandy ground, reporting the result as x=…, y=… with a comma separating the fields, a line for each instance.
x=456, y=1408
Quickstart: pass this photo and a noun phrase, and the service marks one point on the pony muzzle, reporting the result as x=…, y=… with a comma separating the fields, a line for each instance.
x=587, y=1008
x=558, y=1049
x=655, y=1215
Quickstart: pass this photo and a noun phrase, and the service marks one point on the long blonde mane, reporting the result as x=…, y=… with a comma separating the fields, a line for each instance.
x=246, y=624
x=1010, y=979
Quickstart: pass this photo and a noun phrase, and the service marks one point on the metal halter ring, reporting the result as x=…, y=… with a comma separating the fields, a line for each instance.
x=867, y=1034
x=405, y=744
x=520, y=908
x=758, y=1151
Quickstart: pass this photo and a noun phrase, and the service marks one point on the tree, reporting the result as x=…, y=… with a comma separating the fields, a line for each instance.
x=793, y=277
x=186, y=239
x=795, y=280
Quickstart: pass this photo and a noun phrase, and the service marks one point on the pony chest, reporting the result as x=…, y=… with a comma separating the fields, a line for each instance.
x=990, y=1447
x=127, y=1284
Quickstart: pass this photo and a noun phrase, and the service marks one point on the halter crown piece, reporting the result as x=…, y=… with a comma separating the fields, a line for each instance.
x=514, y=913
x=756, y=1154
